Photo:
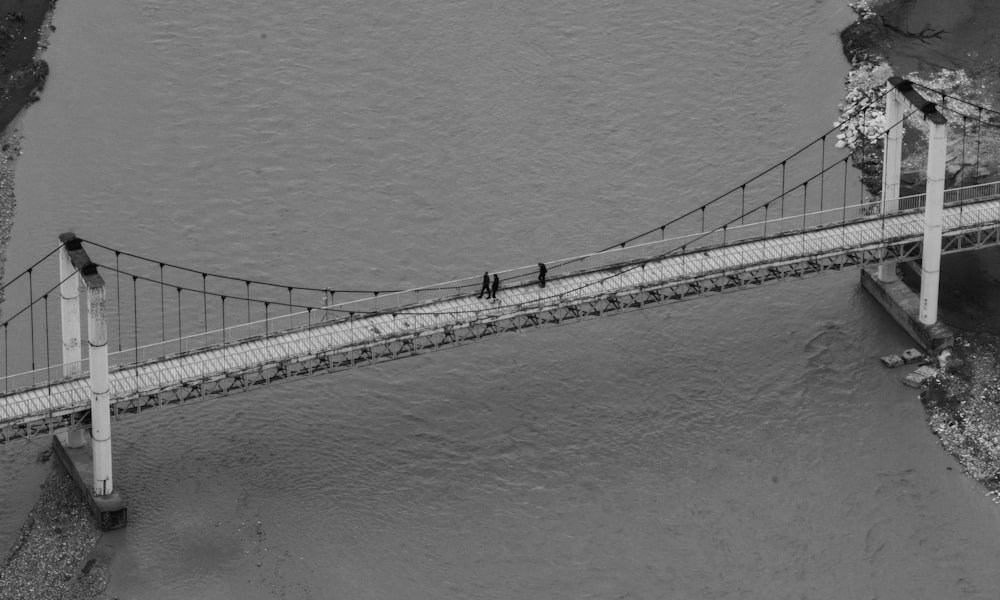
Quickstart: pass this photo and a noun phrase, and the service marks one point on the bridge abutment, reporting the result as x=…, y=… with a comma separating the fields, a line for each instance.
x=903, y=305
x=109, y=509
x=917, y=314
x=902, y=91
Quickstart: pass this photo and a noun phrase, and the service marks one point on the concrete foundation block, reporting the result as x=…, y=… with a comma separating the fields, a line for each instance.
x=893, y=360
x=917, y=378
x=912, y=356
x=903, y=305
x=110, y=510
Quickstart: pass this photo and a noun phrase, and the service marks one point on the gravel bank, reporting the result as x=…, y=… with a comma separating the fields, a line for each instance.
x=57, y=554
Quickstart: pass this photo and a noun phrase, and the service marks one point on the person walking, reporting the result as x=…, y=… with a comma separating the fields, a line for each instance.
x=541, y=274
x=496, y=286
x=486, y=286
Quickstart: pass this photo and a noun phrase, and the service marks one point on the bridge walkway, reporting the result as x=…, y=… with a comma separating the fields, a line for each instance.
x=352, y=334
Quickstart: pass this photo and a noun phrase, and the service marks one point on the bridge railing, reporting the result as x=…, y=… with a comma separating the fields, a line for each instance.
x=953, y=196
x=47, y=375
x=797, y=223
x=216, y=338
x=735, y=233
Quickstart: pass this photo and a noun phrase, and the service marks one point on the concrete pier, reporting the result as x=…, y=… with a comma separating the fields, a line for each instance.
x=87, y=455
x=891, y=165
x=109, y=510
x=903, y=304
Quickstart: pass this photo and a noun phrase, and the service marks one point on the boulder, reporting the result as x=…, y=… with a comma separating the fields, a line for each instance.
x=912, y=355
x=893, y=360
x=917, y=378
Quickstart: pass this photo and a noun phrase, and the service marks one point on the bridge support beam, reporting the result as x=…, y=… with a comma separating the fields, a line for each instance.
x=892, y=158
x=930, y=264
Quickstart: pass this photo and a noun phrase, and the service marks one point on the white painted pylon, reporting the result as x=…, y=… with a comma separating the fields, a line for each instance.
x=892, y=157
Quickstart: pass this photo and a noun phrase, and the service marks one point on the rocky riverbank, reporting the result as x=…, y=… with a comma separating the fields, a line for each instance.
x=958, y=43
x=963, y=407
x=57, y=554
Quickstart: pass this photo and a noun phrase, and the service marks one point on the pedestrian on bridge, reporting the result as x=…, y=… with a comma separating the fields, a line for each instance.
x=496, y=286
x=541, y=274
x=486, y=286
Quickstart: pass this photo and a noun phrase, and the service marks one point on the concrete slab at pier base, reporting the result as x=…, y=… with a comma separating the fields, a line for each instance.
x=903, y=304
x=110, y=511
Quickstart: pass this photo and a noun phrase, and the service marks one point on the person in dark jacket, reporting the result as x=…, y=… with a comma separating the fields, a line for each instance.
x=541, y=274
x=496, y=286
x=486, y=286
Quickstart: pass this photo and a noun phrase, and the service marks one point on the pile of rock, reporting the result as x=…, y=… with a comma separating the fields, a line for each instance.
x=917, y=378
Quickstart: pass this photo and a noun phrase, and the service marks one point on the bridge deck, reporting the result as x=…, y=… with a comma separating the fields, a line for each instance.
x=364, y=338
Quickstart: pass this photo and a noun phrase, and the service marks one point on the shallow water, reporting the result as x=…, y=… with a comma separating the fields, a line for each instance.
x=748, y=445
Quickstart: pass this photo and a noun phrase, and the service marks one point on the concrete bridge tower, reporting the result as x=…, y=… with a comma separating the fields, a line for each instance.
x=91, y=469
x=900, y=93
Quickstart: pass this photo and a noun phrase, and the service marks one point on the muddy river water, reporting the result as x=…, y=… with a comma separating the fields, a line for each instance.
x=742, y=446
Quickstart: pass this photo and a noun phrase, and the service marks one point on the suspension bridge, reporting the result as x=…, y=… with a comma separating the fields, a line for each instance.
x=161, y=334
